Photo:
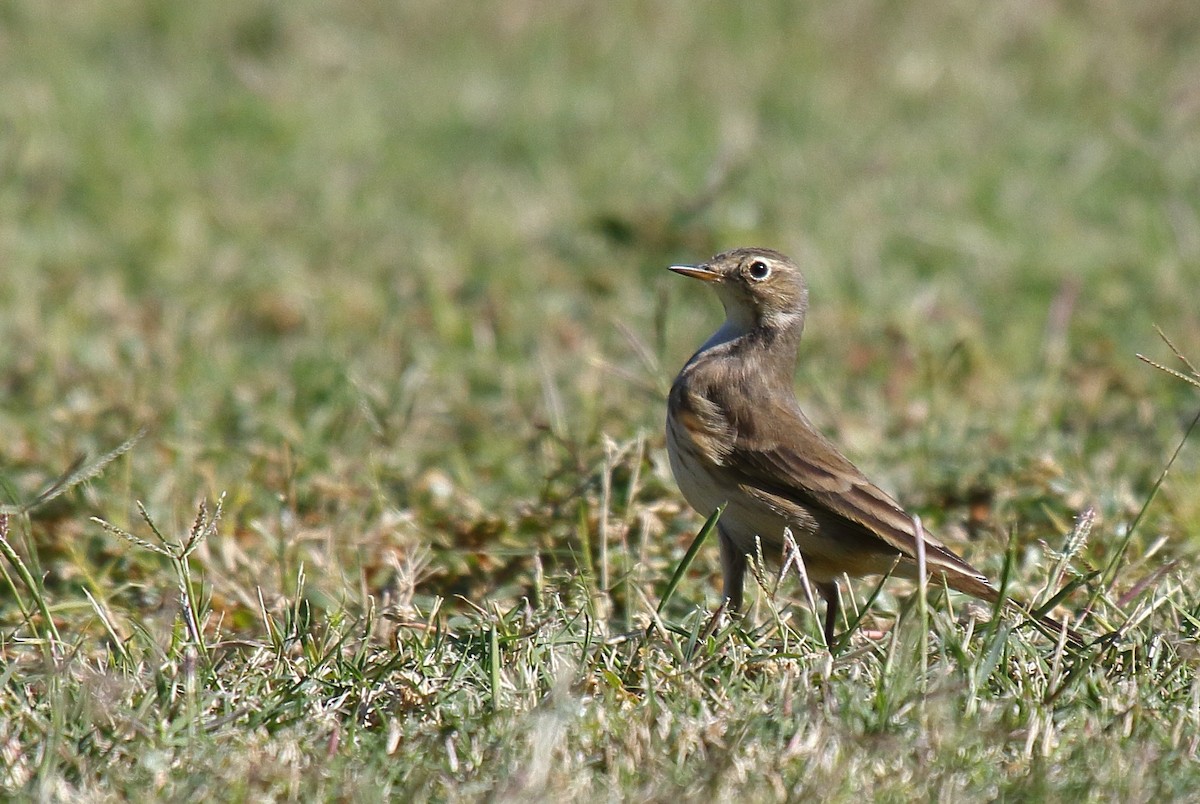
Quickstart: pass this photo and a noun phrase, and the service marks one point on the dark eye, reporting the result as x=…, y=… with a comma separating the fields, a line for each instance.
x=759, y=270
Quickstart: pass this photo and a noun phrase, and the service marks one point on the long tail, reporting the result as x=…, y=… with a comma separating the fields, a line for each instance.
x=978, y=586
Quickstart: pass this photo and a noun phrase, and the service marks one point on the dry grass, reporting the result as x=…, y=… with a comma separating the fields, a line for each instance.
x=383, y=290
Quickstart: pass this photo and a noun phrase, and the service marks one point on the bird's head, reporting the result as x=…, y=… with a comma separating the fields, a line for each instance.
x=758, y=287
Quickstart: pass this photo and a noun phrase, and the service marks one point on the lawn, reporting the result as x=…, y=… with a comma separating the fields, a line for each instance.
x=334, y=346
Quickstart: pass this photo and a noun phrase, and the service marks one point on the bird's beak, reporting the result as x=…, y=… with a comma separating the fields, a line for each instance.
x=702, y=272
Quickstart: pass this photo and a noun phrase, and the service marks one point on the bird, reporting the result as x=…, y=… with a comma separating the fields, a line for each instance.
x=737, y=437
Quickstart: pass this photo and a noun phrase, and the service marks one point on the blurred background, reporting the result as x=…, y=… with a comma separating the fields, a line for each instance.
x=391, y=275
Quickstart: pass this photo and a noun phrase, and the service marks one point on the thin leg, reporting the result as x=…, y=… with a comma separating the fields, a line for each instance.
x=733, y=570
x=829, y=591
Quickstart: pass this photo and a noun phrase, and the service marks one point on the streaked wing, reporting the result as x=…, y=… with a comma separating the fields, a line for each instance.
x=809, y=472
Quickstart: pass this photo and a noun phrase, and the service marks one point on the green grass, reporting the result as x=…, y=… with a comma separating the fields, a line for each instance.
x=383, y=286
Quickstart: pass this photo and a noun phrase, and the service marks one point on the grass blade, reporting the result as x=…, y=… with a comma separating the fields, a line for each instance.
x=710, y=525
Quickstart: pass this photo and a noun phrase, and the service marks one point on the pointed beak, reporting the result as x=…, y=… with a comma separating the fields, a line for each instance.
x=702, y=272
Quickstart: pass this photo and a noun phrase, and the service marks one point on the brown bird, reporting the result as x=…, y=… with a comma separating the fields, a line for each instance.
x=736, y=436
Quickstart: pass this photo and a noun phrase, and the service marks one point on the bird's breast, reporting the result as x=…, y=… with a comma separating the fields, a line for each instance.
x=693, y=469
x=698, y=440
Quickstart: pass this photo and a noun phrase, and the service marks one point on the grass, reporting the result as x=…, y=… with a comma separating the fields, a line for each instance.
x=383, y=290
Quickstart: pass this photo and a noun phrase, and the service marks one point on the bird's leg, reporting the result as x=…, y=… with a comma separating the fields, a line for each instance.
x=733, y=571
x=829, y=591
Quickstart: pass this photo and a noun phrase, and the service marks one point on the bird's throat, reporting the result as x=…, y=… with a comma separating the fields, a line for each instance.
x=731, y=330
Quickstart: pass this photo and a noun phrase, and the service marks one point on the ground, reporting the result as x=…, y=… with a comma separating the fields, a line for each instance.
x=333, y=359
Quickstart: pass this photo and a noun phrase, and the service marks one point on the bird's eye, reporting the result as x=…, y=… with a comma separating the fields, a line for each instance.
x=759, y=270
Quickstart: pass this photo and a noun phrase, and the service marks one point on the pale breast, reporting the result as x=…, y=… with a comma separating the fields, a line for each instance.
x=699, y=442
x=692, y=467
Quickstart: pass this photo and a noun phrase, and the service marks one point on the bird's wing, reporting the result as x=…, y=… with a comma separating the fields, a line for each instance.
x=809, y=472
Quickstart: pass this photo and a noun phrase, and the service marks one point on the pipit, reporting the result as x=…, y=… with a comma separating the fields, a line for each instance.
x=736, y=436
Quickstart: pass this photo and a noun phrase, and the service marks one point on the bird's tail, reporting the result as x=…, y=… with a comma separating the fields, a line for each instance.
x=979, y=587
